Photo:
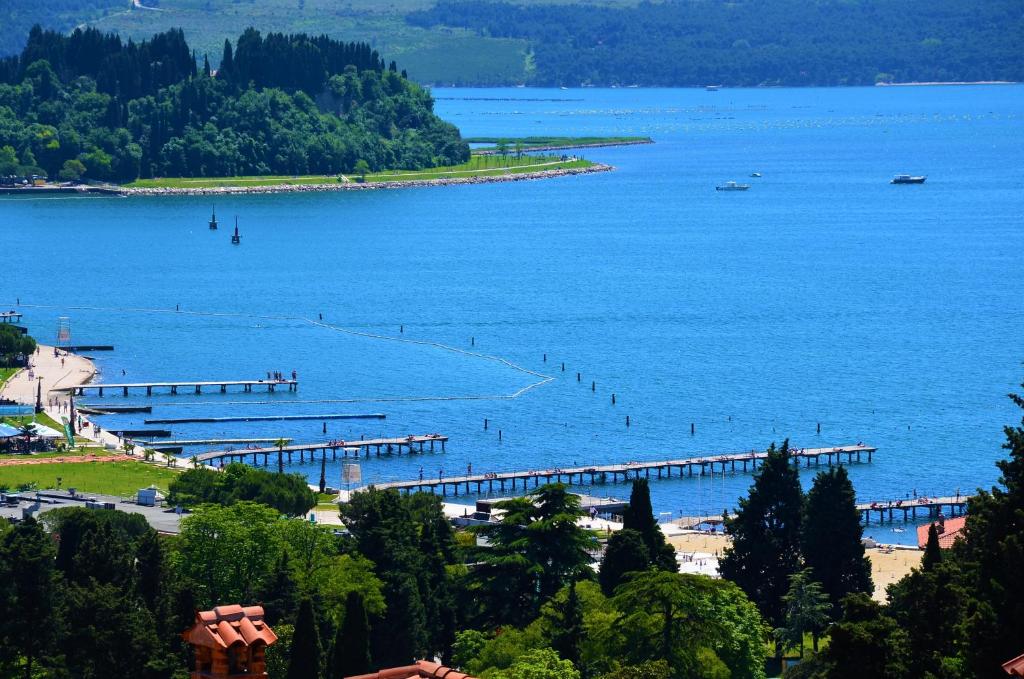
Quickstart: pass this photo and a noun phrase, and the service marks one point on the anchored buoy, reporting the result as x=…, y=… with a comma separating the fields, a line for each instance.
x=236, y=239
x=213, y=220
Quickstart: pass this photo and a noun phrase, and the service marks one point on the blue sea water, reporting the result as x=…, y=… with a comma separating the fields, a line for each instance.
x=892, y=315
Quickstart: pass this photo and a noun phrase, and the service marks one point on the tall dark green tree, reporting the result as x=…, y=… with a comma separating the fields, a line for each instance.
x=830, y=537
x=932, y=551
x=992, y=551
x=350, y=655
x=28, y=596
x=639, y=516
x=865, y=643
x=280, y=595
x=568, y=632
x=765, y=534
x=151, y=573
x=626, y=553
x=305, y=661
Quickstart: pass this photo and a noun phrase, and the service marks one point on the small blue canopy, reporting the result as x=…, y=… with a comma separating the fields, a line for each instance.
x=7, y=431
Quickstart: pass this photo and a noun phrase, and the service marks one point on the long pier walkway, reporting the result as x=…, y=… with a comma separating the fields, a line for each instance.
x=247, y=385
x=928, y=506
x=410, y=444
x=616, y=473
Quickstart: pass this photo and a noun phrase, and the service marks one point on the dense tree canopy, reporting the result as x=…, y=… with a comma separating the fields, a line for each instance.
x=752, y=42
x=15, y=346
x=287, y=493
x=283, y=104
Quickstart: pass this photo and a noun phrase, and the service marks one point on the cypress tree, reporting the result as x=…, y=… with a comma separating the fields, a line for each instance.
x=149, y=564
x=227, y=62
x=568, y=632
x=323, y=474
x=206, y=65
x=932, y=552
x=351, y=653
x=639, y=516
x=304, y=662
x=280, y=597
x=626, y=553
x=765, y=535
x=831, y=537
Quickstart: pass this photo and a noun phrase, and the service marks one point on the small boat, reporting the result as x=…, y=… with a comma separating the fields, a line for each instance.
x=213, y=220
x=712, y=88
x=732, y=186
x=236, y=239
x=755, y=174
x=907, y=179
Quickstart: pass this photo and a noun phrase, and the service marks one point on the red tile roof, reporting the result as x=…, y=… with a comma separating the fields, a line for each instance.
x=229, y=625
x=948, y=532
x=423, y=669
x=1015, y=667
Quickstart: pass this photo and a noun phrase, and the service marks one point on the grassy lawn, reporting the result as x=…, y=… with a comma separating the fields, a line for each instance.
x=478, y=166
x=6, y=374
x=77, y=452
x=109, y=478
x=41, y=418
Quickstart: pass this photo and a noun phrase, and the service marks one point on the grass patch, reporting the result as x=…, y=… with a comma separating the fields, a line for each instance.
x=478, y=166
x=77, y=452
x=108, y=478
x=40, y=418
x=6, y=374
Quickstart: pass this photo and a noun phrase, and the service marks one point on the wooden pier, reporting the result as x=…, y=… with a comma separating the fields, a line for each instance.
x=207, y=442
x=266, y=418
x=408, y=444
x=172, y=387
x=10, y=317
x=908, y=509
x=621, y=473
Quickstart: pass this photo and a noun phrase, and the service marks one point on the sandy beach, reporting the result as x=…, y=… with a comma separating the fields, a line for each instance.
x=887, y=564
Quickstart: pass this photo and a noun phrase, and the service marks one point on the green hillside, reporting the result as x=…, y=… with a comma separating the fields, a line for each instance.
x=601, y=42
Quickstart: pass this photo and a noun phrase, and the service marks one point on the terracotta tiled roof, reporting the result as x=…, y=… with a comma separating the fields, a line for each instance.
x=1015, y=667
x=228, y=625
x=423, y=669
x=949, y=531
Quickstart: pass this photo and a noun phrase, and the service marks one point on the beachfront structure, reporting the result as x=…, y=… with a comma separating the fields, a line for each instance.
x=934, y=507
x=423, y=669
x=949, y=530
x=230, y=642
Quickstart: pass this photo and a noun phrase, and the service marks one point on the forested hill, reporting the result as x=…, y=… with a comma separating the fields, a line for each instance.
x=89, y=104
x=753, y=42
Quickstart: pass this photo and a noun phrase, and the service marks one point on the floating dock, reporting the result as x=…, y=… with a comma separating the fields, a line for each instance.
x=76, y=348
x=172, y=387
x=616, y=473
x=408, y=444
x=265, y=418
x=928, y=506
x=151, y=433
x=91, y=409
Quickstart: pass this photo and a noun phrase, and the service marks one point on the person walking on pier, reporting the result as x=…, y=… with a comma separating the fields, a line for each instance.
x=421, y=473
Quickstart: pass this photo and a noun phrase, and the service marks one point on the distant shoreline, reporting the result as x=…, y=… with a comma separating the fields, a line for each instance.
x=950, y=82
x=567, y=147
x=366, y=186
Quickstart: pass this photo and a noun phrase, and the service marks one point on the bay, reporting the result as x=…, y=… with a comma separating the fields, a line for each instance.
x=889, y=314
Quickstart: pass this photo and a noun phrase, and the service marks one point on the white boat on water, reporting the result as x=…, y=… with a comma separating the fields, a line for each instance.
x=907, y=179
x=712, y=88
x=732, y=186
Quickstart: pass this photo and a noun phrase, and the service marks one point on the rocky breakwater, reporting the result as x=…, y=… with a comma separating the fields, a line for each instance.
x=363, y=186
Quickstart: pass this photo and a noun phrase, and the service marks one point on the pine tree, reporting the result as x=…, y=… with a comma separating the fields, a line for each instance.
x=639, y=516
x=765, y=535
x=831, y=535
x=626, y=552
x=305, y=652
x=350, y=655
x=932, y=551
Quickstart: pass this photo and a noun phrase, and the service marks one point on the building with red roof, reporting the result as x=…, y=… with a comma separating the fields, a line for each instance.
x=423, y=669
x=949, y=531
x=230, y=642
x=1015, y=667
